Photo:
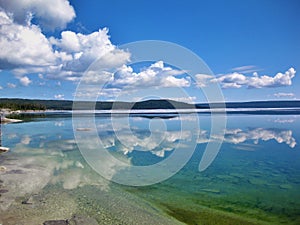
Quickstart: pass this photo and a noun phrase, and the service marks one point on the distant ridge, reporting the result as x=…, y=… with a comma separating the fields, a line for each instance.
x=18, y=103
x=253, y=104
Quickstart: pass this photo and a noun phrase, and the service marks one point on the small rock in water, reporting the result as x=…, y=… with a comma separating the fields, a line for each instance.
x=3, y=191
x=56, y=222
x=16, y=172
x=79, y=164
x=27, y=202
x=75, y=220
x=2, y=168
x=80, y=220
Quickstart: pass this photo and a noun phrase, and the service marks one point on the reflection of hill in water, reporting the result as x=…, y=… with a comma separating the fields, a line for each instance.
x=158, y=115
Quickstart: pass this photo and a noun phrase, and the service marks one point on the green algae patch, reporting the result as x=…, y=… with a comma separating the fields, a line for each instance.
x=205, y=216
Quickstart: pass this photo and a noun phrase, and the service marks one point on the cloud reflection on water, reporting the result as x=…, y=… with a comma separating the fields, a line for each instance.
x=237, y=136
x=158, y=147
x=30, y=169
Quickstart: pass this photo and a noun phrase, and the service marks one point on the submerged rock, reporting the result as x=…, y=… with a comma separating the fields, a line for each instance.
x=257, y=181
x=29, y=201
x=238, y=175
x=17, y=171
x=2, y=191
x=80, y=220
x=56, y=222
x=224, y=177
x=286, y=186
x=75, y=220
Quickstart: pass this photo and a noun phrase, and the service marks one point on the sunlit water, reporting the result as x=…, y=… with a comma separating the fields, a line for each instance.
x=255, y=178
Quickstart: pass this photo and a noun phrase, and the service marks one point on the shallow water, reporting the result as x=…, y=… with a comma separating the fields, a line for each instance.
x=254, y=179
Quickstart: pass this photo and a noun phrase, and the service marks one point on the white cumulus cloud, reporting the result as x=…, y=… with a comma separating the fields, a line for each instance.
x=127, y=81
x=233, y=80
x=11, y=85
x=156, y=75
x=59, y=96
x=81, y=50
x=238, y=80
x=48, y=14
x=202, y=79
x=23, y=46
x=25, y=49
x=25, y=81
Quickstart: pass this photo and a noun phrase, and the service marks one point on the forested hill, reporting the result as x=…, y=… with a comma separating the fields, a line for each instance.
x=254, y=104
x=33, y=104
x=27, y=104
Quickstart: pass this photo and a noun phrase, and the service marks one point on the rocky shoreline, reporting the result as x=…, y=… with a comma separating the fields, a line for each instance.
x=5, y=112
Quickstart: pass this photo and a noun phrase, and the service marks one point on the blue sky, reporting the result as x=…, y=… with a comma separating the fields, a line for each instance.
x=46, y=49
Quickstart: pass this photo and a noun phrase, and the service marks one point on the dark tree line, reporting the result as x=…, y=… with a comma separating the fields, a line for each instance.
x=22, y=106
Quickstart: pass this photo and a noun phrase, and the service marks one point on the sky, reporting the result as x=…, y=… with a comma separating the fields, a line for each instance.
x=252, y=47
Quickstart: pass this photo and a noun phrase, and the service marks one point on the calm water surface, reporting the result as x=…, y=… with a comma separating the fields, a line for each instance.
x=255, y=178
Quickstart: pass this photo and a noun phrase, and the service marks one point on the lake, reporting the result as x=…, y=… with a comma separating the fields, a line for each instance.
x=254, y=177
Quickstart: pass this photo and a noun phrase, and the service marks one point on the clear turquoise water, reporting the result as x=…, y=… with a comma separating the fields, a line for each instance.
x=255, y=178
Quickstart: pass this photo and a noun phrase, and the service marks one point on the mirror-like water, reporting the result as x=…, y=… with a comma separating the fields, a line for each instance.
x=255, y=178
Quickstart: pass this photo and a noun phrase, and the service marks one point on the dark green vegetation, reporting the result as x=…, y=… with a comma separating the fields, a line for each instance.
x=20, y=104
x=35, y=104
x=206, y=216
